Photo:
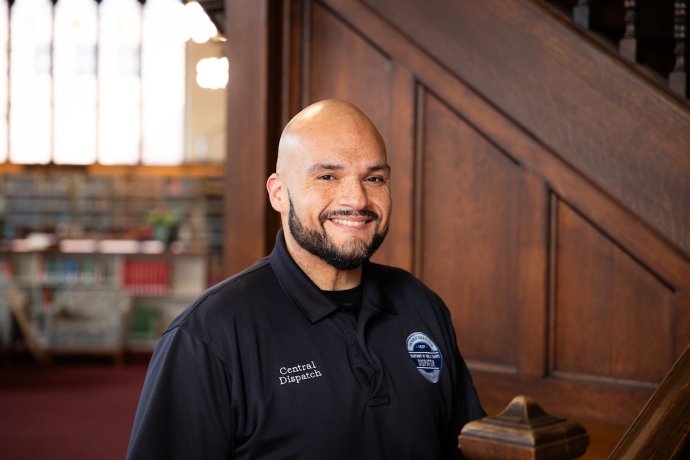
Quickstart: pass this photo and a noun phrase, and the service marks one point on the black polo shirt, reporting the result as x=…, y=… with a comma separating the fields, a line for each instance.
x=265, y=366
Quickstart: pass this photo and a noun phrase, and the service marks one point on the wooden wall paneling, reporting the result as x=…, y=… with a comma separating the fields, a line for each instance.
x=614, y=317
x=607, y=120
x=471, y=226
x=336, y=50
x=287, y=57
x=398, y=249
x=418, y=181
x=572, y=398
x=683, y=318
x=483, y=222
x=532, y=276
x=294, y=53
x=248, y=119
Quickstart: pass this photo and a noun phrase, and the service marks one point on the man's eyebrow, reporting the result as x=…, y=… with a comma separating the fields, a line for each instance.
x=320, y=167
x=380, y=167
x=325, y=167
x=336, y=167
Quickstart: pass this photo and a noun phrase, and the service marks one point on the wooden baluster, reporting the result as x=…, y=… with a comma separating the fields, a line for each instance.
x=678, y=79
x=581, y=13
x=628, y=44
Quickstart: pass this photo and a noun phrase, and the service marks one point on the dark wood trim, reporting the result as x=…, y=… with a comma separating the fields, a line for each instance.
x=398, y=248
x=552, y=277
x=532, y=294
x=418, y=183
x=305, y=55
x=578, y=399
x=248, y=121
x=293, y=56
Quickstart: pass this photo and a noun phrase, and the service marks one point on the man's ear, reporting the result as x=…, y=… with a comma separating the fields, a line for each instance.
x=277, y=193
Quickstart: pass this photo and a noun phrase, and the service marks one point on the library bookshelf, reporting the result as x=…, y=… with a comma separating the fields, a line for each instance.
x=97, y=296
x=82, y=270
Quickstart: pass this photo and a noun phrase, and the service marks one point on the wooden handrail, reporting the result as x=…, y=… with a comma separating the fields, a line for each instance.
x=662, y=430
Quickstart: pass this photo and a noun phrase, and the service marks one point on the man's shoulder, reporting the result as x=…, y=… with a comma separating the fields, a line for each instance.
x=232, y=294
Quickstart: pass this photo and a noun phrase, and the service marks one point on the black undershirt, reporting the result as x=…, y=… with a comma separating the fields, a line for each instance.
x=349, y=300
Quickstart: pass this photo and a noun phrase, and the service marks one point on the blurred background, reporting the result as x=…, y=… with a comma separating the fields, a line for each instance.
x=112, y=155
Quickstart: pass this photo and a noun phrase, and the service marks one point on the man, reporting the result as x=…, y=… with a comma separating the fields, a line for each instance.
x=313, y=352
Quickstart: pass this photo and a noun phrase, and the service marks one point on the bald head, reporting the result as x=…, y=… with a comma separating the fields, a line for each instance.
x=329, y=121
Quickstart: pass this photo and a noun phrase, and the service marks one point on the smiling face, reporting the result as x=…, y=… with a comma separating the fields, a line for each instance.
x=332, y=184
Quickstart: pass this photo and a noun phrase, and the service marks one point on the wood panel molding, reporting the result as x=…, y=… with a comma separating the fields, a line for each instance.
x=248, y=137
x=613, y=318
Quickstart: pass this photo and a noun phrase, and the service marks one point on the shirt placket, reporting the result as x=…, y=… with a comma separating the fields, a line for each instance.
x=377, y=378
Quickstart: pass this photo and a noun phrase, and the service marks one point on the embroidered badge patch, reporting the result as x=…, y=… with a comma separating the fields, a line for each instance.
x=425, y=355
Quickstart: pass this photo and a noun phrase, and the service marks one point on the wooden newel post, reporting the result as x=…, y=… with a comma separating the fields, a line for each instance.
x=523, y=431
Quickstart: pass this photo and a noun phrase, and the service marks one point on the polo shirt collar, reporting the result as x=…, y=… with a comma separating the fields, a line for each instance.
x=307, y=295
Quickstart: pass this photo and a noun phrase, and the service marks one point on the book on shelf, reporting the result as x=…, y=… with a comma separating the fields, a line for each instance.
x=146, y=276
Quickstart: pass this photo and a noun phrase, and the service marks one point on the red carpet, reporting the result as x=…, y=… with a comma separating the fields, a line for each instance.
x=68, y=410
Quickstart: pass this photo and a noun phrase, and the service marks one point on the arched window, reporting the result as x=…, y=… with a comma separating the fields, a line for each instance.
x=163, y=82
x=31, y=32
x=119, y=95
x=74, y=75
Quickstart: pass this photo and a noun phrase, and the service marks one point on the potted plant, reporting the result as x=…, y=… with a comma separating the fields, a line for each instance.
x=164, y=223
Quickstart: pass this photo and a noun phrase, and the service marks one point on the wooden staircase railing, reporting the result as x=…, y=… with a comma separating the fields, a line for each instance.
x=523, y=431
x=662, y=430
x=655, y=33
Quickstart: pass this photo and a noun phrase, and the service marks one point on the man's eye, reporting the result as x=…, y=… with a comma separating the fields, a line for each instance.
x=327, y=177
x=375, y=179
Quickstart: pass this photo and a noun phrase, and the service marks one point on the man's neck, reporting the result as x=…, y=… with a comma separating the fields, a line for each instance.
x=324, y=275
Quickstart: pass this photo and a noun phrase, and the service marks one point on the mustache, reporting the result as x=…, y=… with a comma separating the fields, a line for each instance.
x=348, y=213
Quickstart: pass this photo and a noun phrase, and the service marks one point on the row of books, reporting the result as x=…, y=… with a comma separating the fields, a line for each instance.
x=78, y=204
x=66, y=185
x=146, y=277
x=86, y=270
x=138, y=276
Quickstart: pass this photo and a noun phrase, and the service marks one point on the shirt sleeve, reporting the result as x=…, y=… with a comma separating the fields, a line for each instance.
x=466, y=404
x=185, y=409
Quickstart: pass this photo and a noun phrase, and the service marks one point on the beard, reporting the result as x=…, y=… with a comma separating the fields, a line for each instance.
x=350, y=255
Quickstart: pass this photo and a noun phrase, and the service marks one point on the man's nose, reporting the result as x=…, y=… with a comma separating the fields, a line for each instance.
x=353, y=194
